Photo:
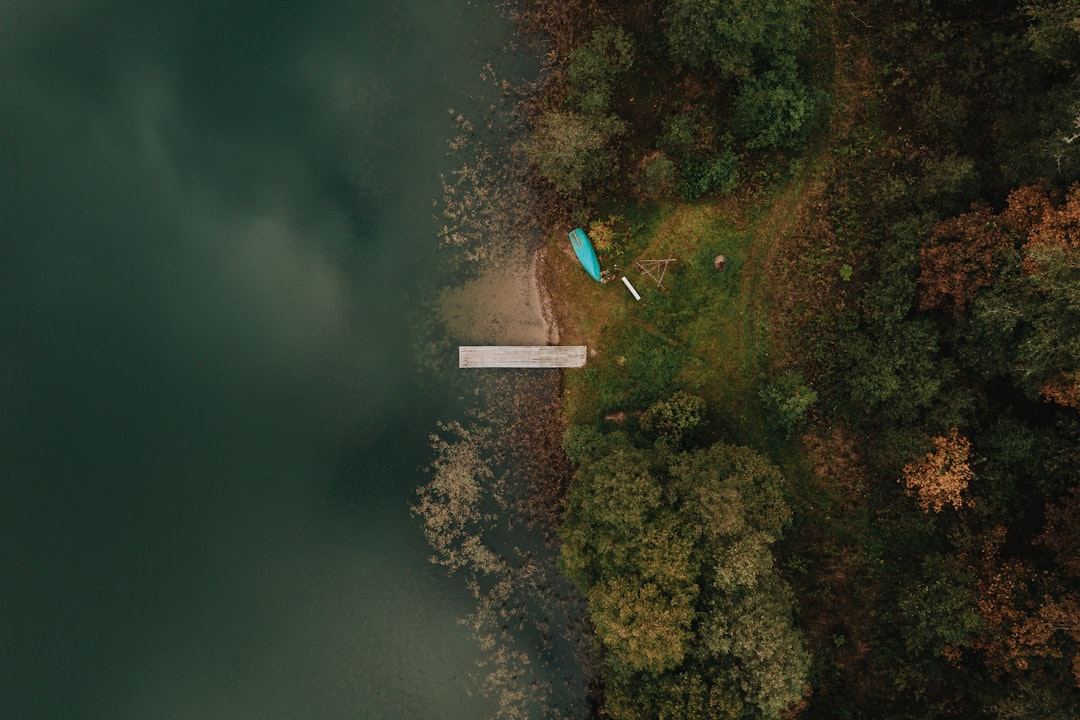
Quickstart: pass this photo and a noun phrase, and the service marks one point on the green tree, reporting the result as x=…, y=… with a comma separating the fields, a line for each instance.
x=690, y=693
x=645, y=627
x=1054, y=32
x=893, y=373
x=729, y=491
x=734, y=38
x=608, y=506
x=743, y=562
x=756, y=629
x=574, y=151
x=674, y=418
x=1052, y=347
x=735, y=497
x=938, y=611
x=774, y=110
x=673, y=552
x=595, y=67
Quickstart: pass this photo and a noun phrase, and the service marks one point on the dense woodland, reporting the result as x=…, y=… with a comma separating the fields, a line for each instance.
x=889, y=524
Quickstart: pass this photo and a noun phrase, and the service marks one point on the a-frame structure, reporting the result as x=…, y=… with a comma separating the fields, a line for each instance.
x=655, y=269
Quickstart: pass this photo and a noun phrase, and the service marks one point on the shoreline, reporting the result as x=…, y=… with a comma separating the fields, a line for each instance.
x=510, y=303
x=545, y=300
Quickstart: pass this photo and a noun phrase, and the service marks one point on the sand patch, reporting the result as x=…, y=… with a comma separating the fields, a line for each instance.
x=506, y=305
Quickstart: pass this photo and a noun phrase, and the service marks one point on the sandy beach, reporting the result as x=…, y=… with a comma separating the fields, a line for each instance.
x=507, y=305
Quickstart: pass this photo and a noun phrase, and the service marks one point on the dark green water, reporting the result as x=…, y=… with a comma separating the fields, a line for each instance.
x=214, y=221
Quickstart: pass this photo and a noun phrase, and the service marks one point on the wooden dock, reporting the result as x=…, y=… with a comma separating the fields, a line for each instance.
x=521, y=356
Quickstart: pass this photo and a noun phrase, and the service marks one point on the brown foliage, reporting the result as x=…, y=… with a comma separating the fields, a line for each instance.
x=836, y=463
x=837, y=610
x=1063, y=389
x=964, y=254
x=451, y=505
x=535, y=440
x=1025, y=207
x=804, y=261
x=939, y=479
x=1057, y=228
x=563, y=23
x=1061, y=532
x=841, y=606
x=499, y=467
x=1002, y=588
x=960, y=258
x=1030, y=618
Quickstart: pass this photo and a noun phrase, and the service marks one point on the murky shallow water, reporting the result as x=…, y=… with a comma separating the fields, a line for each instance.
x=216, y=222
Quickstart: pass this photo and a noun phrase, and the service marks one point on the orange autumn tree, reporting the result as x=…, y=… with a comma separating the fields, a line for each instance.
x=1061, y=532
x=941, y=477
x=1055, y=228
x=966, y=253
x=961, y=257
x=1032, y=621
x=1063, y=389
x=1050, y=355
x=1028, y=258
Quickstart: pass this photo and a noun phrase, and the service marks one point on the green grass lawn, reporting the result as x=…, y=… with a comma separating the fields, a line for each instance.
x=703, y=332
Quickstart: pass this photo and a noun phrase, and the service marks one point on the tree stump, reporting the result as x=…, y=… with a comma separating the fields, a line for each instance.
x=719, y=262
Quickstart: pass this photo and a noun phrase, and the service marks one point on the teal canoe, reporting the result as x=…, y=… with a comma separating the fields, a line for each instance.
x=585, y=253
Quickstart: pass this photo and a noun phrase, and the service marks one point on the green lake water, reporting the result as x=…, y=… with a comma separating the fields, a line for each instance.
x=215, y=235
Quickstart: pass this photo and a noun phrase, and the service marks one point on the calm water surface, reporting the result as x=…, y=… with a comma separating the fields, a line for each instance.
x=214, y=221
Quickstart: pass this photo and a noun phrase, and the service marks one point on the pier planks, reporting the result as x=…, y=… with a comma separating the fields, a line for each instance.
x=521, y=356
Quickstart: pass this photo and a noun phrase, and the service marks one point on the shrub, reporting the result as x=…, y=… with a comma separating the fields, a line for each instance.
x=788, y=401
x=675, y=416
x=574, y=152
x=704, y=174
x=657, y=176
x=596, y=66
x=774, y=110
x=580, y=441
x=684, y=135
x=606, y=238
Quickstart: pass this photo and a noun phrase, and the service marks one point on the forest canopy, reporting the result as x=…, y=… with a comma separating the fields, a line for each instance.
x=841, y=478
x=672, y=549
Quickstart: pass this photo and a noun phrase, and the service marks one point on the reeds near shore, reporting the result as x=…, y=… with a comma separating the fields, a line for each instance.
x=488, y=513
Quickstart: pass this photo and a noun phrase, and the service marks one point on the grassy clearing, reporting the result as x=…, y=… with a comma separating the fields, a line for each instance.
x=703, y=332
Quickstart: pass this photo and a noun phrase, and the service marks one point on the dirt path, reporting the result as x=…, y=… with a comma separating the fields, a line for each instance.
x=773, y=258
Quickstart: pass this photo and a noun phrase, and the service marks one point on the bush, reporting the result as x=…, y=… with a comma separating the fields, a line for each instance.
x=605, y=235
x=684, y=135
x=657, y=176
x=788, y=401
x=701, y=175
x=574, y=152
x=674, y=417
x=774, y=110
x=595, y=67
x=580, y=442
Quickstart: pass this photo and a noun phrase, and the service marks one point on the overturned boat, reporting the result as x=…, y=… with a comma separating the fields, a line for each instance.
x=585, y=253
